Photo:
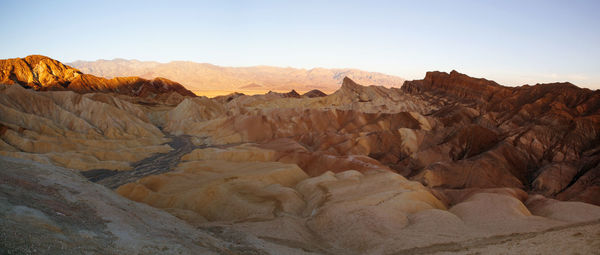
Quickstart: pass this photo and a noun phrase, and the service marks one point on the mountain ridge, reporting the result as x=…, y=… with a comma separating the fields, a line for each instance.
x=205, y=76
x=449, y=159
x=43, y=73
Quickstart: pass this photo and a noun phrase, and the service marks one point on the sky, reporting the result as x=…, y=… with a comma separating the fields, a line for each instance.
x=511, y=42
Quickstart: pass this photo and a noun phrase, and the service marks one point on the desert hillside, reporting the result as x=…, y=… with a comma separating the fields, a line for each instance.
x=206, y=78
x=43, y=73
x=447, y=164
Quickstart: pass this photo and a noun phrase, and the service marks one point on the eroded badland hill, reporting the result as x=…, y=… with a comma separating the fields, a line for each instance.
x=448, y=164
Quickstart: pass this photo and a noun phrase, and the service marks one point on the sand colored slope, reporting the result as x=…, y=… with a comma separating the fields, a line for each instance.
x=75, y=131
x=52, y=210
x=445, y=164
x=346, y=212
x=222, y=191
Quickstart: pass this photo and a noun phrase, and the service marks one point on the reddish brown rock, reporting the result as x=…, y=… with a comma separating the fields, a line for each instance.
x=547, y=133
x=43, y=73
x=314, y=93
x=318, y=173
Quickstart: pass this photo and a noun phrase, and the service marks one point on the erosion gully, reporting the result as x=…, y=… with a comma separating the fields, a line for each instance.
x=156, y=164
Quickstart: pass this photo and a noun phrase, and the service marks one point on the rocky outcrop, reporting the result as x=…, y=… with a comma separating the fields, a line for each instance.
x=544, y=137
x=456, y=85
x=540, y=138
x=447, y=163
x=37, y=72
x=43, y=73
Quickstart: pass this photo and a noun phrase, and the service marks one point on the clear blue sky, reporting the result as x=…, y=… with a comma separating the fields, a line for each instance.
x=512, y=42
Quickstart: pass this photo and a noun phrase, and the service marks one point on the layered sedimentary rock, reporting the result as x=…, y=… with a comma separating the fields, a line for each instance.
x=43, y=73
x=543, y=137
x=447, y=163
x=223, y=191
x=348, y=212
x=107, y=124
x=350, y=96
x=75, y=131
x=288, y=151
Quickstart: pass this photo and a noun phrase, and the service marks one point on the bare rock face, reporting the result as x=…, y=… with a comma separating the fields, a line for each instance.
x=447, y=163
x=43, y=73
x=37, y=72
x=543, y=136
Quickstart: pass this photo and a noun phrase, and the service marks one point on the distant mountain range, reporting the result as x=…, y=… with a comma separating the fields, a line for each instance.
x=202, y=76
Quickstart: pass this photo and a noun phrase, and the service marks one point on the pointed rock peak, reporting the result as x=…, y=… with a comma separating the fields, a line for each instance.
x=455, y=73
x=292, y=93
x=347, y=83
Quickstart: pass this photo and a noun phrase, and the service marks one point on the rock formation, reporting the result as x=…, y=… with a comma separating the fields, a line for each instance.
x=449, y=163
x=543, y=137
x=75, y=131
x=42, y=73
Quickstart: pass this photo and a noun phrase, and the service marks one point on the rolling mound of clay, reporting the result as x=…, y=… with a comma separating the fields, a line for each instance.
x=447, y=164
